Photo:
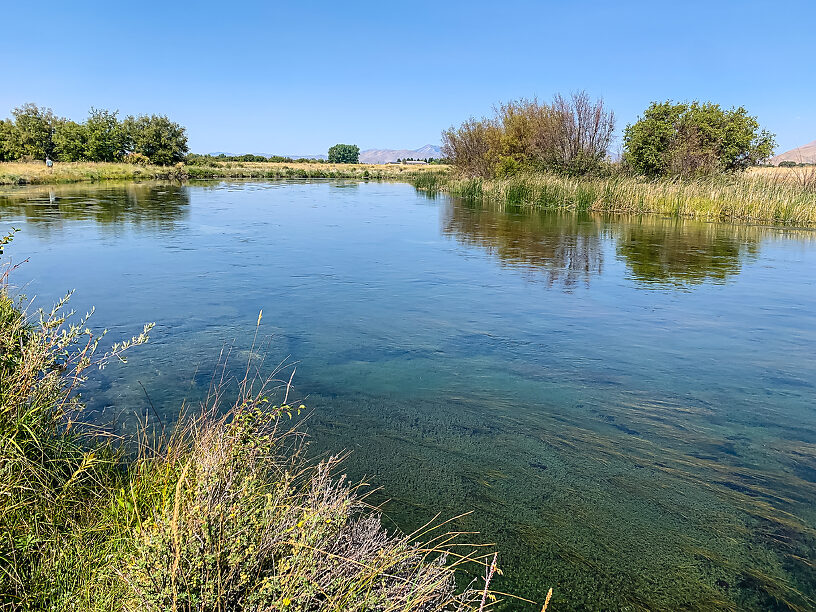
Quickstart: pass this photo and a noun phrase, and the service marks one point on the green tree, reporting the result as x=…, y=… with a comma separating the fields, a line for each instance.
x=105, y=136
x=35, y=130
x=9, y=142
x=161, y=140
x=344, y=154
x=70, y=139
x=694, y=138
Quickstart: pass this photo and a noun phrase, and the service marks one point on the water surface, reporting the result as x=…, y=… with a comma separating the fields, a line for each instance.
x=627, y=404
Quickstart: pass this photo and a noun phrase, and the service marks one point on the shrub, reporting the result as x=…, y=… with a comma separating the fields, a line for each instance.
x=137, y=159
x=570, y=135
x=249, y=526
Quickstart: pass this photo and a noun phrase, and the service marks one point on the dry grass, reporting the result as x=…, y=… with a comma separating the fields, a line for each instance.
x=15, y=173
x=764, y=195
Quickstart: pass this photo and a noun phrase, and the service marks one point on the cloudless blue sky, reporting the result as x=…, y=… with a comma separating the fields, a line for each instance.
x=295, y=78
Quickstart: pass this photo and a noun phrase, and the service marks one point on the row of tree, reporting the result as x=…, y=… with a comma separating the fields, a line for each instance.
x=573, y=134
x=36, y=133
x=197, y=159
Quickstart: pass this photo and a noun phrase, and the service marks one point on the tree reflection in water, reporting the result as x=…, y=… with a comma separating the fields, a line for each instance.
x=565, y=249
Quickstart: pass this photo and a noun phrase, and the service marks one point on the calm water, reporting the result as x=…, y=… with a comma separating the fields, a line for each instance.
x=626, y=403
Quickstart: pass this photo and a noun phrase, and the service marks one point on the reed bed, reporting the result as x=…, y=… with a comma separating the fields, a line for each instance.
x=19, y=173
x=754, y=196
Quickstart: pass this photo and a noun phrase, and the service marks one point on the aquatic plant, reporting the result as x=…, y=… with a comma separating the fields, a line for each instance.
x=753, y=196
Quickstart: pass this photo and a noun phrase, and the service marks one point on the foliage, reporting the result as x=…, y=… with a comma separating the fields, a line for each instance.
x=159, y=139
x=9, y=143
x=694, y=138
x=197, y=159
x=344, y=154
x=70, y=141
x=106, y=138
x=137, y=159
x=570, y=135
x=34, y=130
x=49, y=478
x=37, y=133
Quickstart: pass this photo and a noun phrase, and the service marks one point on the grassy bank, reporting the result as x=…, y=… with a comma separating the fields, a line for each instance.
x=36, y=173
x=765, y=195
x=222, y=514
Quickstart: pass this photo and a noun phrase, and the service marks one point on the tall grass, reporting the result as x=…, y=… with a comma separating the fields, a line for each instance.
x=754, y=197
x=19, y=173
x=223, y=513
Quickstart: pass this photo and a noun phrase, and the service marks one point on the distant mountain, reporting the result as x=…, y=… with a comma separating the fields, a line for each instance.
x=369, y=156
x=383, y=156
x=806, y=154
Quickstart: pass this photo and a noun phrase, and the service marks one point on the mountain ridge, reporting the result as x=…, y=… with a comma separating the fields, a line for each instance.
x=806, y=154
x=384, y=156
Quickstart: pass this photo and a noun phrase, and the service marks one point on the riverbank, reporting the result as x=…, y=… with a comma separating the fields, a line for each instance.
x=222, y=514
x=36, y=173
x=760, y=195
x=763, y=195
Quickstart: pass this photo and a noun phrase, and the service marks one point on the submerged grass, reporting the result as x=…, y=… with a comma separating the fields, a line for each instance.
x=18, y=173
x=761, y=196
x=222, y=514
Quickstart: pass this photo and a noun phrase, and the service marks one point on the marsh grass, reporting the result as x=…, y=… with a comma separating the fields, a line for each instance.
x=221, y=513
x=759, y=196
x=18, y=173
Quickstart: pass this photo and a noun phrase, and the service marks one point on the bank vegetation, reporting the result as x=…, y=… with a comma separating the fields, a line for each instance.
x=222, y=512
x=690, y=159
x=37, y=173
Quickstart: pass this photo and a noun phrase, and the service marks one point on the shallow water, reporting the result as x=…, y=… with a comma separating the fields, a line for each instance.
x=627, y=404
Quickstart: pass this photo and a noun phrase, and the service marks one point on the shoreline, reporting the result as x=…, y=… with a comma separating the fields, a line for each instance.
x=36, y=173
x=764, y=195
x=761, y=195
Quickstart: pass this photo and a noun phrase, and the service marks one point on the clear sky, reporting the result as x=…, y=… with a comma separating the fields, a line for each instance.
x=297, y=77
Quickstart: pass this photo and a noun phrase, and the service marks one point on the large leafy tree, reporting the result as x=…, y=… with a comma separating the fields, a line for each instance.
x=34, y=128
x=695, y=138
x=70, y=140
x=9, y=143
x=161, y=140
x=105, y=136
x=344, y=154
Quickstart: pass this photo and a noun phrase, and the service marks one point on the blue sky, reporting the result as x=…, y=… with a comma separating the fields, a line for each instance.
x=295, y=78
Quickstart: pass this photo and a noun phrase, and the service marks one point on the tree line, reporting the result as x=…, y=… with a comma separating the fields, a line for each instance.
x=572, y=135
x=36, y=132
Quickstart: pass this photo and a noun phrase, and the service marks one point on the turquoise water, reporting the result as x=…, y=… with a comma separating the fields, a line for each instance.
x=626, y=404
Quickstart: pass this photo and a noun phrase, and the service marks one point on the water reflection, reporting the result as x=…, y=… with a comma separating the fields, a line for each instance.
x=684, y=252
x=566, y=249
x=151, y=206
